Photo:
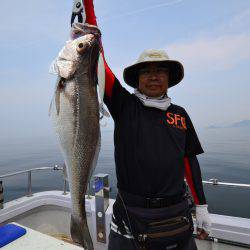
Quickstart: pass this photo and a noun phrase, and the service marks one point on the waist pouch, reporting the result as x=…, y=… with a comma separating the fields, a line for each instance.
x=160, y=228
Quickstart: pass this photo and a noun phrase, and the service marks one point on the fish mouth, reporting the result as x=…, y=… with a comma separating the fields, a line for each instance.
x=91, y=36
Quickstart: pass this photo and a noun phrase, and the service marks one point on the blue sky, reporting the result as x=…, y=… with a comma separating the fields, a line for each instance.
x=211, y=39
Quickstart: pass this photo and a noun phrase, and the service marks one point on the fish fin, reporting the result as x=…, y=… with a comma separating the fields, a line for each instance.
x=80, y=233
x=50, y=107
x=103, y=111
x=95, y=158
x=57, y=101
x=56, y=97
x=53, y=69
x=101, y=77
x=59, y=88
x=104, y=124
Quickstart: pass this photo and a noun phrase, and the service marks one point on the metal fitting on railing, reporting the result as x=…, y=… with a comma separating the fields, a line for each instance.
x=65, y=179
x=101, y=186
x=56, y=167
x=29, y=191
x=214, y=181
x=1, y=194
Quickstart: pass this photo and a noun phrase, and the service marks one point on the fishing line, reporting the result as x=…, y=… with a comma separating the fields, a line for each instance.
x=133, y=240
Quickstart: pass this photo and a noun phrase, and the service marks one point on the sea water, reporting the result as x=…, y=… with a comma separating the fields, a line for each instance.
x=226, y=158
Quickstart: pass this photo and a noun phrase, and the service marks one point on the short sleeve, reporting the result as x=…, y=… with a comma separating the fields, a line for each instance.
x=117, y=99
x=192, y=144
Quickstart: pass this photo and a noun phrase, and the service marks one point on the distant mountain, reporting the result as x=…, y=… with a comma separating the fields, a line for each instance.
x=214, y=126
x=244, y=123
x=241, y=124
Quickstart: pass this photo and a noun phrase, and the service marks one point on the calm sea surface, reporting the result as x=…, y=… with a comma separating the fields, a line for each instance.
x=227, y=158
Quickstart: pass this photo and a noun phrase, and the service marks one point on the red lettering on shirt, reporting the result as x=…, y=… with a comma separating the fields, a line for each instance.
x=176, y=120
x=169, y=115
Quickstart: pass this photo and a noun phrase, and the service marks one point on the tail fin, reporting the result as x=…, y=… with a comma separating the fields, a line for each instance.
x=80, y=233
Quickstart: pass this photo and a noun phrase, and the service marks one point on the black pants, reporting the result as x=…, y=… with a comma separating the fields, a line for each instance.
x=119, y=242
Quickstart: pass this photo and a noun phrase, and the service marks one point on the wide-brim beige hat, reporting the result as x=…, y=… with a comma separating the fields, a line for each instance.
x=176, y=70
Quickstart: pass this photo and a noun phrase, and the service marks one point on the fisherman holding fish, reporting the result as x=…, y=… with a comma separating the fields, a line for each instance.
x=156, y=147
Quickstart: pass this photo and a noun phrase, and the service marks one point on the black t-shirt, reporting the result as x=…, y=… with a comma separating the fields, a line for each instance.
x=150, y=145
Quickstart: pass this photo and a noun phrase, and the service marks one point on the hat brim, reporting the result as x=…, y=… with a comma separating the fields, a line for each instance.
x=176, y=72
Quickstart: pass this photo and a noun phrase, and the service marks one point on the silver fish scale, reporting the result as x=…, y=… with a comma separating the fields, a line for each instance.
x=77, y=125
x=86, y=144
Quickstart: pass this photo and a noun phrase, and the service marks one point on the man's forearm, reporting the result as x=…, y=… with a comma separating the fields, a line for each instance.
x=90, y=12
x=194, y=179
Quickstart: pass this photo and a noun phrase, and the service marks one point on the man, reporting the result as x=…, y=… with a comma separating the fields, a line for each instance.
x=155, y=145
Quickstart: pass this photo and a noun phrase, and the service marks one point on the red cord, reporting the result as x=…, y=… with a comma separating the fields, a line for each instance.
x=90, y=12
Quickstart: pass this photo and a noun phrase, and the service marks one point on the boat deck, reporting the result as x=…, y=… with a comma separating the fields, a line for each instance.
x=40, y=241
x=46, y=216
x=34, y=240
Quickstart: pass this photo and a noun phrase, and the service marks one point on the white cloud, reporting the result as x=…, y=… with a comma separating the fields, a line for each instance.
x=208, y=54
x=220, y=49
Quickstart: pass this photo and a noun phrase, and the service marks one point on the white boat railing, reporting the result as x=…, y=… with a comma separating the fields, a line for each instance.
x=214, y=181
x=29, y=176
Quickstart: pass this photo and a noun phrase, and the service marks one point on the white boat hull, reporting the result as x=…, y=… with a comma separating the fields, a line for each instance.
x=49, y=213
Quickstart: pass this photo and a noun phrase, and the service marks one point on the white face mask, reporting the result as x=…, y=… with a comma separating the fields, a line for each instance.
x=162, y=102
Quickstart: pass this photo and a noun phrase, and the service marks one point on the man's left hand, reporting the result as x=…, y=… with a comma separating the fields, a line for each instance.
x=203, y=222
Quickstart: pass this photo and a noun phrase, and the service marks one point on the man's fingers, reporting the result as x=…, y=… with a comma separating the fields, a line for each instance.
x=201, y=234
x=199, y=230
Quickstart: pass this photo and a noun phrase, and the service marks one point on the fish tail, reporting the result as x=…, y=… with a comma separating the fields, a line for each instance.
x=80, y=233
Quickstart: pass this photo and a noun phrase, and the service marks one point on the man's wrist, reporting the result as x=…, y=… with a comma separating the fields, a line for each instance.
x=202, y=205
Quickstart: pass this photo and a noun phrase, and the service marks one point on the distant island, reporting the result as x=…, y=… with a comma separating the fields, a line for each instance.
x=241, y=124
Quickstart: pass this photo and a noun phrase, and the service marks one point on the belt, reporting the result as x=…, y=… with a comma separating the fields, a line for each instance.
x=145, y=202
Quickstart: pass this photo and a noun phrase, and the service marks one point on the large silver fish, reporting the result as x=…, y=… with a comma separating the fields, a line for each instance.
x=75, y=112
